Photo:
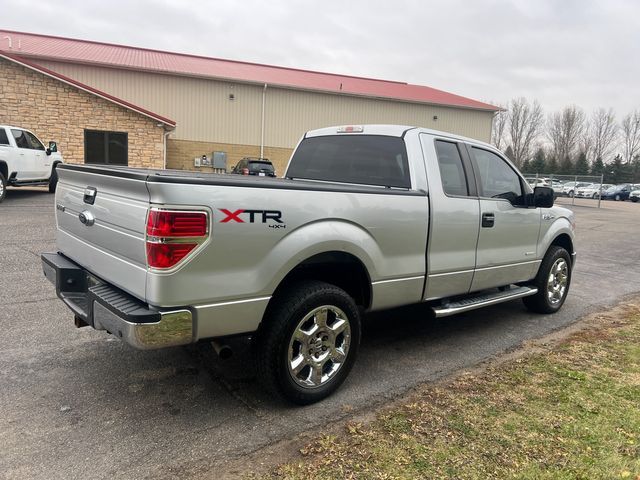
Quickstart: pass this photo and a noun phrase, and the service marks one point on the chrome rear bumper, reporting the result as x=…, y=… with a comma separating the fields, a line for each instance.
x=104, y=307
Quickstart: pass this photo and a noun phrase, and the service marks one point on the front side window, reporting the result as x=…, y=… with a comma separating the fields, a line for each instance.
x=454, y=180
x=107, y=148
x=360, y=159
x=497, y=178
x=20, y=136
x=34, y=142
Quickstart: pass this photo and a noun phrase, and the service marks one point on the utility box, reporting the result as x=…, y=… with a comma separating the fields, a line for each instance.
x=219, y=160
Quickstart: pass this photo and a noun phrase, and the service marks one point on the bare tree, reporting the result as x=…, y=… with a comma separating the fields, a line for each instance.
x=602, y=131
x=525, y=123
x=564, y=130
x=498, y=132
x=631, y=135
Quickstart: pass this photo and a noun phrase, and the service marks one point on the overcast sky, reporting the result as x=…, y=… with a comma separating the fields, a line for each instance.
x=560, y=52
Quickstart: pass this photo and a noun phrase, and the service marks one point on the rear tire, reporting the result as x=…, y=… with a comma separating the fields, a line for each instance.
x=308, y=342
x=571, y=194
x=553, y=281
x=3, y=187
x=53, y=181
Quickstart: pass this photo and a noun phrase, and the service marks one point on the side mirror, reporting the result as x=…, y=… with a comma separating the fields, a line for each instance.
x=53, y=147
x=48, y=151
x=543, y=197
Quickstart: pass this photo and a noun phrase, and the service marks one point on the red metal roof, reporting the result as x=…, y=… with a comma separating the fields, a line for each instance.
x=86, y=88
x=81, y=51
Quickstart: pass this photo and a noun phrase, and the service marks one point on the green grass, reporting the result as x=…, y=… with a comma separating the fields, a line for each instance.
x=571, y=412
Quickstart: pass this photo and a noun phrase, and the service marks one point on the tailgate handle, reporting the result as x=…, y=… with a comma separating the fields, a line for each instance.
x=90, y=195
x=488, y=219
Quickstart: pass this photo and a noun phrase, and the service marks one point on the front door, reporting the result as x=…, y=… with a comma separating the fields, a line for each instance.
x=25, y=156
x=508, y=237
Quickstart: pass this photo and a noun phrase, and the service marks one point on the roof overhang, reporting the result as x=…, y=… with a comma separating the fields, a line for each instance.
x=166, y=123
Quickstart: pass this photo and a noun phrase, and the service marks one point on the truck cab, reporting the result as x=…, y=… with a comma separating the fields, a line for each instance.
x=25, y=161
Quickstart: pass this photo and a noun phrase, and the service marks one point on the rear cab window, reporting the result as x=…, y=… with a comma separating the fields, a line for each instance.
x=358, y=159
x=4, y=140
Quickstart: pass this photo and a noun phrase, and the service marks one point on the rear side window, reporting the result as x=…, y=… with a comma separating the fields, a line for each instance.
x=363, y=159
x=454, y=180
x=4, y=140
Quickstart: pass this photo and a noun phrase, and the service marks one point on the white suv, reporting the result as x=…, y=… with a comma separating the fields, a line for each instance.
x=24, y=160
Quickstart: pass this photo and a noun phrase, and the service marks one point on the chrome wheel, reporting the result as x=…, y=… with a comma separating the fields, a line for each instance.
x=557, y=281
x=1, y=187
x=319, y=346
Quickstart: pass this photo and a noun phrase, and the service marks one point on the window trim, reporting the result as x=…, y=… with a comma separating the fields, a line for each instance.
x=474, y=164
x=105, y=133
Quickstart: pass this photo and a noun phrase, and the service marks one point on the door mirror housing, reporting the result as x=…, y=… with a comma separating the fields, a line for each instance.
x=542, y=197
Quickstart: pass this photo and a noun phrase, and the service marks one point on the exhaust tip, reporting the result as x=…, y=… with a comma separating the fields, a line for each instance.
x=223, y=351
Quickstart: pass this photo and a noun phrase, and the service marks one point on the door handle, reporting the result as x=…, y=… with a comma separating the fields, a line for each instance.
x=488, y=220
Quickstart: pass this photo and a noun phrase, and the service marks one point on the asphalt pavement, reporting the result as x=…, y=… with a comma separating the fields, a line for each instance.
x=77, y=403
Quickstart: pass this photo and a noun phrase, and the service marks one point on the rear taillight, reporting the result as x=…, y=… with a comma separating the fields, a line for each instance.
x=172, y=235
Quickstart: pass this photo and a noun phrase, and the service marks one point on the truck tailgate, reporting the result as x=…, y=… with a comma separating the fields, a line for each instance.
x=104, y=234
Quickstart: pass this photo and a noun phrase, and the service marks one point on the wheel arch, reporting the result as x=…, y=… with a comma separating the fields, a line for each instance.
x=339, y=268
x=563, y=240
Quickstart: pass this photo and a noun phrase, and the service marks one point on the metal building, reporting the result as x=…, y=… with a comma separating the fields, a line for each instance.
x=234, y=108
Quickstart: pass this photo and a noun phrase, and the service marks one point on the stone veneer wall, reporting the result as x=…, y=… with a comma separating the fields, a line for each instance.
x=180, y=154
x=56, y=111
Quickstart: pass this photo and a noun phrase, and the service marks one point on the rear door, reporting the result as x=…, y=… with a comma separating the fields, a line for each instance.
x=508, y=235
x=455, y=210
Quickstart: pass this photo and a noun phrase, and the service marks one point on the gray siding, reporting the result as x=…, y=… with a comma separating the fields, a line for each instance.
x=204, y=112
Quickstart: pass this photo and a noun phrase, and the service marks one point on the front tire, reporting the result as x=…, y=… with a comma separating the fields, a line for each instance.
x=53, y=181
x=553, y=281
x=3, y=187
x=308, y=342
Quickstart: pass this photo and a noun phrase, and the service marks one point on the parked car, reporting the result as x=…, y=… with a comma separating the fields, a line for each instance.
x=634, y=196
x=538, y=182
x=569, y=188
x=617, y=192
x=24, y=160
x=592, y=191
x=261, y=167
x=162, y=260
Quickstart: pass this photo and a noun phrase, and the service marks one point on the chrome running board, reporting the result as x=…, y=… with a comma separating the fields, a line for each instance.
x=479, y=301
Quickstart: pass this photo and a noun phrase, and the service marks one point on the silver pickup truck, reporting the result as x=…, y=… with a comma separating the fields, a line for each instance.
x=366, y=218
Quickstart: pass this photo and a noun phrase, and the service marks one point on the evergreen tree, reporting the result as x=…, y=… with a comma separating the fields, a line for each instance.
x=582, y=164
x=552, y=165
x=538, y=164
x=526, y=166
x=509, y=153
x=566, y=167
x=614, y=171
x=598, y=167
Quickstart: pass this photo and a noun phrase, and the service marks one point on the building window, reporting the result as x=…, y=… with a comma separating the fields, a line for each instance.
x=107, y=148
